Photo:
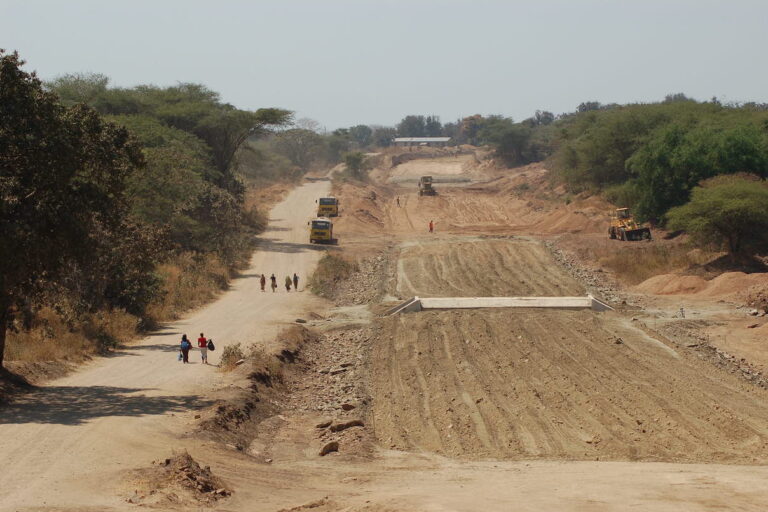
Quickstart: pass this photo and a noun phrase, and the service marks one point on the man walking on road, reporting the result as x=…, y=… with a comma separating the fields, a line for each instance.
x=398, y=201
x=431, y=227
x=273, y=284
x=202, y=344
x=263, y=282
x=295, y=282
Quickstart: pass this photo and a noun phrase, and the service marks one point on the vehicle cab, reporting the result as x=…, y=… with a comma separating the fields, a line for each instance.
x=321, y=231
x=327, y=207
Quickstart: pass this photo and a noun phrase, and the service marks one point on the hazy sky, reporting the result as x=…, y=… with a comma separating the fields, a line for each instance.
x=345, y=62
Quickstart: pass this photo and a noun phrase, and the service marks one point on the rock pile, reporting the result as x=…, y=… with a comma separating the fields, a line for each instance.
x=176, y=480
x=594, y=280
x=365, y=285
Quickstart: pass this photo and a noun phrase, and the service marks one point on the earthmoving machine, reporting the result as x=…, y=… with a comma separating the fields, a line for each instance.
x=321, y=232
x=624, y=227
x=425, y=186
x=327, y=207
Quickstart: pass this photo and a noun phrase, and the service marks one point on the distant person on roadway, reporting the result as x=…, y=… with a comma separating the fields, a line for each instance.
x=288, y=283
x=263, y=281
x=273, y=284
x=295, y=282
x=202, y=344
x=185, y=346
x=431, y=227
x=398, y=201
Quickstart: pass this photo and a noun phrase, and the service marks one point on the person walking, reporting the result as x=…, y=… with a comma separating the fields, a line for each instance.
x=398, y=201
x=431, y=226
x=185, y=346
x=263, y=281
x=273, y=284
x=202, y=344
x=288, y=283
x=295, y=282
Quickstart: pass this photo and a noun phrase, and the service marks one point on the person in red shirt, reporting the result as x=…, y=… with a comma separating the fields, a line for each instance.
x=202, y=344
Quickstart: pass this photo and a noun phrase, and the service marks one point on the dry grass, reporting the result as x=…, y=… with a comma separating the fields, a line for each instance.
x=51, y=339
x=189, y=281
x=330, y=270
x=633, y=263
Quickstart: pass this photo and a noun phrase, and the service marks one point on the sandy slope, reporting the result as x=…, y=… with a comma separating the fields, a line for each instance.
x=118, y=413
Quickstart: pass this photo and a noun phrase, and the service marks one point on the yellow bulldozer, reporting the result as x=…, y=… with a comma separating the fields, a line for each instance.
x=624, y=227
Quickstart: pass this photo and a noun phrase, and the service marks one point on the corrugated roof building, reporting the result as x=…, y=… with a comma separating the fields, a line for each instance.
x=421, y=141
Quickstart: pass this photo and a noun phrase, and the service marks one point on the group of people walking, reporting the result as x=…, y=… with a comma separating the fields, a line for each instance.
x=289, y=281
x=203, y=345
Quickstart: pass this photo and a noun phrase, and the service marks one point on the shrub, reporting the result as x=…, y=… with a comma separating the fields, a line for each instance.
x=231, y=355
x=330, y=270
x=730, y=212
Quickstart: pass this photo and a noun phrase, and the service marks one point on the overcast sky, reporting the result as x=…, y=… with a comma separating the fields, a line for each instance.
x=346, y=62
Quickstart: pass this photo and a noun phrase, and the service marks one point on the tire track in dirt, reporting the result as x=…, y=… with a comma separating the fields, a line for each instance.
x=481, y=267
x=547, y=384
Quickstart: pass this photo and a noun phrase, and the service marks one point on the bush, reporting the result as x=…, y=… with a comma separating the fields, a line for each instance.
x=331, y=269
x=231, y=355
x=730, y=212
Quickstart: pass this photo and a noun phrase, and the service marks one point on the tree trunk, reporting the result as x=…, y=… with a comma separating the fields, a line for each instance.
x=3, y=329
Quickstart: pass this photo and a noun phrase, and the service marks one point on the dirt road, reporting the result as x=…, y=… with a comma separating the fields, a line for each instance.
x=68, y=442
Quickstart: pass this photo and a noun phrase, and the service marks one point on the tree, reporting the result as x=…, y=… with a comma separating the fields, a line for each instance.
x=542, y=117
x=383, y=135
x=79, y=87
x=412, y=126
x=356, y=164
x=728, y=210
x=63, y=174
x=361, y=134
x=588, y=105
x=432, y=126
x=301, y=147
x=510, y=140
x=676, y=158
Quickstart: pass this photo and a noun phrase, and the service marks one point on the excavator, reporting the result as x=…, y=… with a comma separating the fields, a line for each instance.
x=624, y=227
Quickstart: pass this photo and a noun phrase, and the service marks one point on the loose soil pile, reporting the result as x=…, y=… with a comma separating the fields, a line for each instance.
x=175, y=481
x=726, y=285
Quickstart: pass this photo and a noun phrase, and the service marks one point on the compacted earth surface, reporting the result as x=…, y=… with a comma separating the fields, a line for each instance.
x=336, y=406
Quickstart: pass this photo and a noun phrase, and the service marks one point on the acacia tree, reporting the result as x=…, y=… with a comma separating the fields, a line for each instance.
x=356, y=163
x=731, y=211
x=63, y=174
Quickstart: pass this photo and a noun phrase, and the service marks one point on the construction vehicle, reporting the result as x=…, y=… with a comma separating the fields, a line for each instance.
x=327, y=207
x=425, y=186
x=321, y=232
x=624, y=227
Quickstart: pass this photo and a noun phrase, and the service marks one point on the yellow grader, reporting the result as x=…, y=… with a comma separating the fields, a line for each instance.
x=624, y=227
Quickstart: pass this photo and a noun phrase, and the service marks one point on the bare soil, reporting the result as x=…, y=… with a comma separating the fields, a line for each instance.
x=454, y=410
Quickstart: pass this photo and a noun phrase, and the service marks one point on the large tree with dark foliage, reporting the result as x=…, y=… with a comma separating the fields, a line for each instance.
x=63, y=173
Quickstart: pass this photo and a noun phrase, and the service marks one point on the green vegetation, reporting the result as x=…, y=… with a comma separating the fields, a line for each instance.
x=127, y=204
x=63, y=178
x=727, y=211
x=651, y=156
x=356, y=165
